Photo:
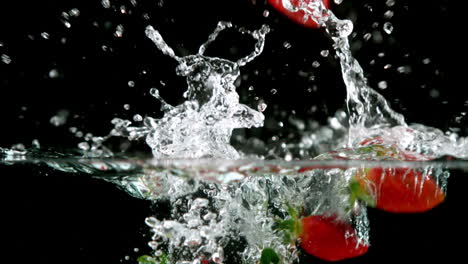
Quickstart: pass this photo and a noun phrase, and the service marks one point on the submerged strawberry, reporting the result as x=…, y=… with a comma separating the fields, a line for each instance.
x=330, y=239
x=299, y=16
x=324, y=236
x=398, y=190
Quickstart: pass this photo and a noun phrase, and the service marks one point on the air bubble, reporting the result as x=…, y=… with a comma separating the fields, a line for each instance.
x=367, y=36
x=382, y=85
x=105, y=3
x=324, y=53
x=388, y=14
x=137, y=118
x=388, y=27
x=262, y=107
x=119, y=31
x=84, y=146
x=53, y=73
x=74, y=12
x=6, y=59
x=404, y=69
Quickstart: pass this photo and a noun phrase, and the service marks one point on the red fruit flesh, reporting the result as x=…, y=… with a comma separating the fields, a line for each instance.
x=297, y=17
x=401, y=190
x=330, y=239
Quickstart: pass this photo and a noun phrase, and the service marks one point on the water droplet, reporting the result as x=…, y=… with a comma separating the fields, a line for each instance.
x=404, y=69
x=60, y=118
x=266, y=13
x=287, y=45
x=251, y=88
x=136, y=249
x=126, y=106
x=390, y=3
x=79, y=134
x=74, y=12
x=131, y=84
x=67, y=24
x=324, y=53
x=105, y=3
x=73, y=130
x=6, y=59
x=154, y=92
x=137, y=118
x=338, y=1
x=36, y=144
x=273, y=91
x=315, y=64
x=53, y=73
x=367, y=36
x=388, y=14
x=382, y=85
x=123, y=9
x=381, y=54
x=119, y=31
x=387, y=66
x=84, y=146
x=45, y=35
x=426, y=61
x=388, y=27
x=262, y=107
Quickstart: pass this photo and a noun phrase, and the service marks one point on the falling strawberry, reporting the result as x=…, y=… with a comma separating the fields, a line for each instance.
x=327, y=237
x=397, y=190
x=299, y=16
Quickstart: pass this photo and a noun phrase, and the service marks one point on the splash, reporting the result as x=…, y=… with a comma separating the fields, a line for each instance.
x=201, y=126
x=369, y=114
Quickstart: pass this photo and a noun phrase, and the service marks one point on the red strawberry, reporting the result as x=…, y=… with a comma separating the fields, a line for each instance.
x=324, y=236
x=398, y=190
x=329, y=238
x=298, y=16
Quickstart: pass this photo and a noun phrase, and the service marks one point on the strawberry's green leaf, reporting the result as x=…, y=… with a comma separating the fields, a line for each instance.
x=163, y=259
x=358, y=192
x=269, y=256
x=145, y=259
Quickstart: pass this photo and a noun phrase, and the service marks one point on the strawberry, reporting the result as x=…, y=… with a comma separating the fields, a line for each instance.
x=397, y=190
x=297, y=17
x=327, y=237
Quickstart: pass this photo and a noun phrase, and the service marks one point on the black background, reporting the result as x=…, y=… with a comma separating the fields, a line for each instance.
x=58, y=218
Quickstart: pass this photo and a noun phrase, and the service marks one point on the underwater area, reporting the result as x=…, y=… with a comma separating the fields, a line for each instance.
x=170, y=131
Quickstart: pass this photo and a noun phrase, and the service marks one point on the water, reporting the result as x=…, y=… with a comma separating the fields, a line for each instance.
x=226, y=211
